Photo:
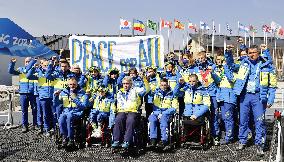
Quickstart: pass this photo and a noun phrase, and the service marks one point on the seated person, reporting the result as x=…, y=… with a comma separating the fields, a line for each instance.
x=74, y=101
x=101, y=110
x=128, y=106
x=165, y=105
x=196, y=98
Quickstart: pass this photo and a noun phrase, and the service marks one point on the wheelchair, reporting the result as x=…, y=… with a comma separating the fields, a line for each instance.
x=104, y=140
x=173, y=134
x=195, y=133
x=79, y=126
x=140, y=138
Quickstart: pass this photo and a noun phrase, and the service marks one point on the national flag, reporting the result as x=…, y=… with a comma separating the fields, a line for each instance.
x=124, y=24
x=204, y=26
x=274, y=26
x=152, y=25
x=280, y=32
x=166, y=24
x=178, y=24
x=252, y=29
x=192, y=26
x=229, y=29
x=138, y=25
x=266, y=28
x=243, y=28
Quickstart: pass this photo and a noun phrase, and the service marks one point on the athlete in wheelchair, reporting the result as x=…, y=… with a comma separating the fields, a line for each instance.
x=74, y=101
x=164, y=109
x=195, y=126
x=127, y=126
x=98, y=127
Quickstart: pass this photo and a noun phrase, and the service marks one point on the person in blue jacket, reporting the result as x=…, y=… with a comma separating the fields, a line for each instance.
x=256, y=85
x=113, y=81
x=74, y=101
x=165, y=105
x=203, y=70
x=26, y=91
x=227, y=100
x=196, y=97
x=45, y=92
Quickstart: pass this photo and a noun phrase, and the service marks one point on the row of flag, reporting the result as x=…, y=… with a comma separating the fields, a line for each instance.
x=140, y=26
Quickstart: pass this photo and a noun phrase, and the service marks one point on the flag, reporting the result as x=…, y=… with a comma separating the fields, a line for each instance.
x=243, y=28
x=229, y=29
x=252, y=29
x=204, y=26
x=192, y=26
x=152, y=25
x=274, y=26
x=124, y=24
x=280, y=32
x=138, y=25
x=166, y=24
x=266, y=28
x=178, y=25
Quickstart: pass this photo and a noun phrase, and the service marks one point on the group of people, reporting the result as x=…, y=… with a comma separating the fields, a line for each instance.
x=240, y=90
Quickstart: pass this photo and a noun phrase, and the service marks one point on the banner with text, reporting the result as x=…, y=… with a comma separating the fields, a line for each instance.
x=120, y=52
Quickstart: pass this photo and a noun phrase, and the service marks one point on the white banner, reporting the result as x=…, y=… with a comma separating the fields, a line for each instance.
x=119, y=52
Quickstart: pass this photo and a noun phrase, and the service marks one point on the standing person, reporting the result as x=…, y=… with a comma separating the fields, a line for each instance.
x=128, y=105
x=227, y=100
x=26, y=91
x=153, y=80
x=256, y=85
x=45, y=91
x=165, y=105
x=113, y=81
x=203, y=71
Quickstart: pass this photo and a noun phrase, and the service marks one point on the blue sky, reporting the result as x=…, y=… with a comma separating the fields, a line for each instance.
x=48, y=17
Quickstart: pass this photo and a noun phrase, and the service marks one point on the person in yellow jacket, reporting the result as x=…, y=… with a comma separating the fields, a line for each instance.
x=128, y=106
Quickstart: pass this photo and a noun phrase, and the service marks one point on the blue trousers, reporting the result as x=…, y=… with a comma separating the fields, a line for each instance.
x=66, y=120
x=25, y=100
x=164, y=124
x=124, y=124
x=97, y=116
x=46, y=106
x=214, y=117
x=39, y=112
x=227, y=110
x=252, y=102
x=56, y=111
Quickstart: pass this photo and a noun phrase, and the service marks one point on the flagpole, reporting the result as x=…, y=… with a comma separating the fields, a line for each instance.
x=219, y=32
x=186, y=41
x=157, y=28
x=119, y=27
x=238, y=37
x=133, y=27
x=174, y=40
x=160, y=26
x=253, y=37
x=264, y=37
x=213, y=38
x=146, y=27
x=245, y=38
x=249, y=40
x=168, y=40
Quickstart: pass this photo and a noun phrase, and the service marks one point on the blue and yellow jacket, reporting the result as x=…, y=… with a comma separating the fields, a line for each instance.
x=196, y=99
x=113, y=85
x=129, y=101
x=103, y=104
x=61, y=78
x=172, y=78
x=185, y=73
x=153, y=83
x=93, y=84
x=79, y=103
x=45, y=81
x=25, y=85
x=205, y=77
x=265, y=80
x=224, y=78
x=81, y=79
x=164, y=102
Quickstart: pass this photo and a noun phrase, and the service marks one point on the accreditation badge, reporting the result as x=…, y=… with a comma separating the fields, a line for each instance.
x=251, y=86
